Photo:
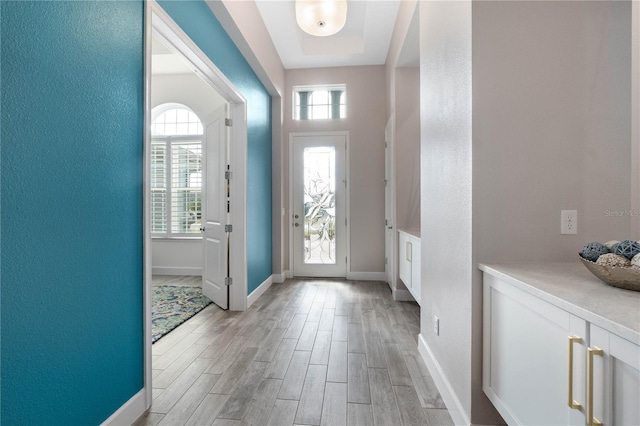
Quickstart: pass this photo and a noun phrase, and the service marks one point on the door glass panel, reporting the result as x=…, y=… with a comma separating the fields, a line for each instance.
x=319, y=205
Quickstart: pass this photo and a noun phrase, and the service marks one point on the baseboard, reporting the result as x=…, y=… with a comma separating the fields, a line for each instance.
x=402, y=296
x=259, y=291
x=451, y=400
x=130, y=411
x=279, y=278
x=367, y=276
x=176, y=270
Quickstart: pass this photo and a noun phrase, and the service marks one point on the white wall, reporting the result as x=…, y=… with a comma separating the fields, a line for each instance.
x=186, y=89
x=176, y=257
x=365, y=121
x=545, y=126
x=181, y=256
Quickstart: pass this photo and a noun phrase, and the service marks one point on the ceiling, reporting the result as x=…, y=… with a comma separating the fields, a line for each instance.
x=364, y=40
x=166, y=62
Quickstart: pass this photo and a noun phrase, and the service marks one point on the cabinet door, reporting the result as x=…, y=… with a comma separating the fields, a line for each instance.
x=525, y=353
x=616, y=378
x=404, y=258
x=416, y=281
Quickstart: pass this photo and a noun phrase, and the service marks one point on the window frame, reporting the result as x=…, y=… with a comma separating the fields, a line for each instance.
x=295, y=109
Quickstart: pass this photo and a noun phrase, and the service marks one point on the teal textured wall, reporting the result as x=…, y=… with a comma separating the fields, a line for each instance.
x=71, y=300
x=71, y=217
x=201, y=25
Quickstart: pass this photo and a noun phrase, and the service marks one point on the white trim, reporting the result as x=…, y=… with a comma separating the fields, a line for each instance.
x=288, y=274
x=279, y=278
x=451, y=400
x=402, y=295
x=366, y=276
x=130, y=410
x=147, y=243
x=255, y=294
x=177, y=270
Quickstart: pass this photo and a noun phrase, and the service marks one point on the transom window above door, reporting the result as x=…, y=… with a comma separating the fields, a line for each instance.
x=176, y=172
x=319, y=102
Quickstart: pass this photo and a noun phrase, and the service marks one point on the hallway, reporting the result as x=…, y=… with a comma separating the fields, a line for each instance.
x=307, y=352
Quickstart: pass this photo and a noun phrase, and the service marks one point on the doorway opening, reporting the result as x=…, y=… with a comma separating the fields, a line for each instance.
x=195, y=174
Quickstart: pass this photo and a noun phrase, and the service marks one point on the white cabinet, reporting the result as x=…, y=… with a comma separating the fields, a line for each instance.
x=526, y=372
x=535, y=363
x=615, y=384
x=409, y=262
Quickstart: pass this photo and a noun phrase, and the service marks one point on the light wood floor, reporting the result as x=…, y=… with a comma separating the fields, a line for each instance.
x=307, y=352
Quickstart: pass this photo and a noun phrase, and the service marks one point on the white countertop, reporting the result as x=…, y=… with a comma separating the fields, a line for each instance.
x=414, y=232
x=570, y=286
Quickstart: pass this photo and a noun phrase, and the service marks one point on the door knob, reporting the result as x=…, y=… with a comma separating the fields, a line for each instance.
x=296, y=224
x=201, y=229
x=296, y=216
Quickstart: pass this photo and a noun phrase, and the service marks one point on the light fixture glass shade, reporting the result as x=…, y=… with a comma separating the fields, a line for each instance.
x=321, y=17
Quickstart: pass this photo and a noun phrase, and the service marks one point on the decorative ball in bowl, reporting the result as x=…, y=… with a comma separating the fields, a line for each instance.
x=617, y=263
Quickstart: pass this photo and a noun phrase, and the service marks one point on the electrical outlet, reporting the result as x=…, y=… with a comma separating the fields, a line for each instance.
x=436, y=325
x=569, y=222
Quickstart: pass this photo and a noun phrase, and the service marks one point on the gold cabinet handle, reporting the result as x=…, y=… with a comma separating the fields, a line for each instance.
x=570, y=401
x=591, y=352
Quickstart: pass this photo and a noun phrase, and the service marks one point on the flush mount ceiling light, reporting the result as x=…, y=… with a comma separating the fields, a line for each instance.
x=321, y=17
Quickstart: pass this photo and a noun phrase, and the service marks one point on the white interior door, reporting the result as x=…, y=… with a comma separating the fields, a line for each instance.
x=319, y=205
x=389, y=201
x=214, y=213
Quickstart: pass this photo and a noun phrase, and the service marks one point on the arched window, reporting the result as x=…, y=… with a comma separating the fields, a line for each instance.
x=176, y=171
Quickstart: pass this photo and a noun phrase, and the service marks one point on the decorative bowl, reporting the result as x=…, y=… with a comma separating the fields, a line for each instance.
x=627, y=278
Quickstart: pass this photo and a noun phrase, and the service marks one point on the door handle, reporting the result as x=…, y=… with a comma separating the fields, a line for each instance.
x=201, y=229
x=295, y=216
x=296, y=224
x=591, y=352
x=570, y=401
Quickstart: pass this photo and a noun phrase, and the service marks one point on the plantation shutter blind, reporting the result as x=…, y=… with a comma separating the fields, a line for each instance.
x=159, y=187
x=186, y=186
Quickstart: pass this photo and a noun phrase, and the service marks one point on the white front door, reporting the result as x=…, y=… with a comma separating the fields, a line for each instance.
x=319, y=204
x=215, y=216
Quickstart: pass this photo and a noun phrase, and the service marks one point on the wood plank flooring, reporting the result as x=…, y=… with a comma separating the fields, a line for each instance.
x=307, y=352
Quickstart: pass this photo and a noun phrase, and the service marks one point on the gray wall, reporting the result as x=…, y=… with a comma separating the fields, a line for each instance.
x=407, y=148
x=545, y=126
x=366, y=121
x=446, y=188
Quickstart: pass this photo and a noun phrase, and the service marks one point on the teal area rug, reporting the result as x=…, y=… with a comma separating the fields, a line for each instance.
x=173, y=305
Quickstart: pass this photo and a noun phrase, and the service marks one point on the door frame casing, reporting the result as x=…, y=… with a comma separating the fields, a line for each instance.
x=159, y=23
x=390, y=269
x=347, y=195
